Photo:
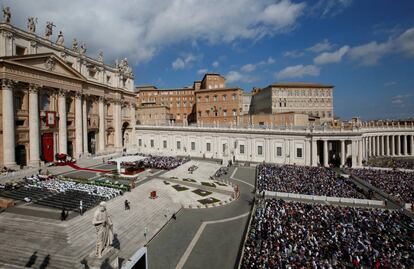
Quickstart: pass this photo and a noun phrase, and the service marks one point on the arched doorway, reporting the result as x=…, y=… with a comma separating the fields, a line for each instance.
x=20, y=154
x=47, y=147
x=92, y=142
x=125, y=135
x=70, y=148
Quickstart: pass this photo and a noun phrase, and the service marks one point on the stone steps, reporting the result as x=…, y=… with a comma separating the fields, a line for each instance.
x=68, y=242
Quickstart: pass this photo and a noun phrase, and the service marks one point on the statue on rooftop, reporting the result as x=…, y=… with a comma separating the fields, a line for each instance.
x=103, y=225
x=100, y=56
x=124, y=67
x=31, y=24
x=7, y=14
x=49, y=29
x=82, y=49
x=75, y=45
x=60, y=40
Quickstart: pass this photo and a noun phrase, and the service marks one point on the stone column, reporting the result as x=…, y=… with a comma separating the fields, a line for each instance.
x=307, y=152
x=343, y=153
x=398, y=145
x=117, y=125
x=359, y=153
x=9, y=158
x=34, y=127
x=325, y=153
x=132, y=141
x=412, y=144
x=392, y=145
x=377, y=150
x=382, y=145
x=354, y=153
x=85, y=126
x=63, y=130
x=314, y=152
x=405, y=147
x=369, y=147
x=78, y=125
x=386, y=145
x=101, y=107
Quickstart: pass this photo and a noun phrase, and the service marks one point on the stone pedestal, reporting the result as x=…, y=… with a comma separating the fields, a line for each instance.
x=109, y=259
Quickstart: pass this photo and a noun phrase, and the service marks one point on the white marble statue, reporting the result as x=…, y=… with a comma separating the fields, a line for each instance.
x=82, y=49
x=75, y=45
x=31, y=24
x=103, y=226
x=60, y=40
x=6, y=14
x=100, y=56
x=49, y=29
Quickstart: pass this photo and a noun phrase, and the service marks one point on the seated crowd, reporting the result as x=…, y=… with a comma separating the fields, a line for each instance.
x=388, y=162
x=298, y=235
x=158, y=162
x=56, y=185
x=396, y=183
x=305, y=180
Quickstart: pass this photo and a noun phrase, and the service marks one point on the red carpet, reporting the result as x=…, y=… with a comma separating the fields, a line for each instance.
x=74, y=166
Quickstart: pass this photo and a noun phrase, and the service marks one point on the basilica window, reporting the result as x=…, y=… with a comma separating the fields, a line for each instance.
x=299, y=153
x=164, y=143
x=241, y=149
x=208, y=147
x=192, y=145
x=278, y=151
x=260, y=150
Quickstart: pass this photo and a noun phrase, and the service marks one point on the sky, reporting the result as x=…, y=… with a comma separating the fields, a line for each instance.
x=364, y=48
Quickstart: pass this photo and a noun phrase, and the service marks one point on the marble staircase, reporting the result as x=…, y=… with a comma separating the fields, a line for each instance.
x=69, y=242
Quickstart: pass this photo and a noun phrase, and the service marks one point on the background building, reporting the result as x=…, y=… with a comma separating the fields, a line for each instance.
x=315, y=100
x=179, y=101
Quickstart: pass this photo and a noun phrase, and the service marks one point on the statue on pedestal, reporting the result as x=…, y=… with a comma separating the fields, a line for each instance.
x=75, y=45
x=31, y=24
x=82, y=49
x=104, y=233
x=49, y=29
x=6, y=14
x=100, y=56
x=60, y=40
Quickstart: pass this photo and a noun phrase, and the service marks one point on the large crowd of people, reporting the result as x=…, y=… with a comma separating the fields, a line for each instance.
x=56, y=185
x=306, y=180
x=388, y=162
x=396, y=183
x=158, y=162
x=297, y=235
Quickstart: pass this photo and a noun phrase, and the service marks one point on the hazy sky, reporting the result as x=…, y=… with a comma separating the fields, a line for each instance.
x=365, y=48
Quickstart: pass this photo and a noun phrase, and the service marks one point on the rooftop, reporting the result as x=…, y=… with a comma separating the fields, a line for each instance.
x=300, y=85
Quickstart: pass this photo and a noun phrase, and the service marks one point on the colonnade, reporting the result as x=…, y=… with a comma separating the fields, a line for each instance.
x=347, y=147
x=388, y=145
